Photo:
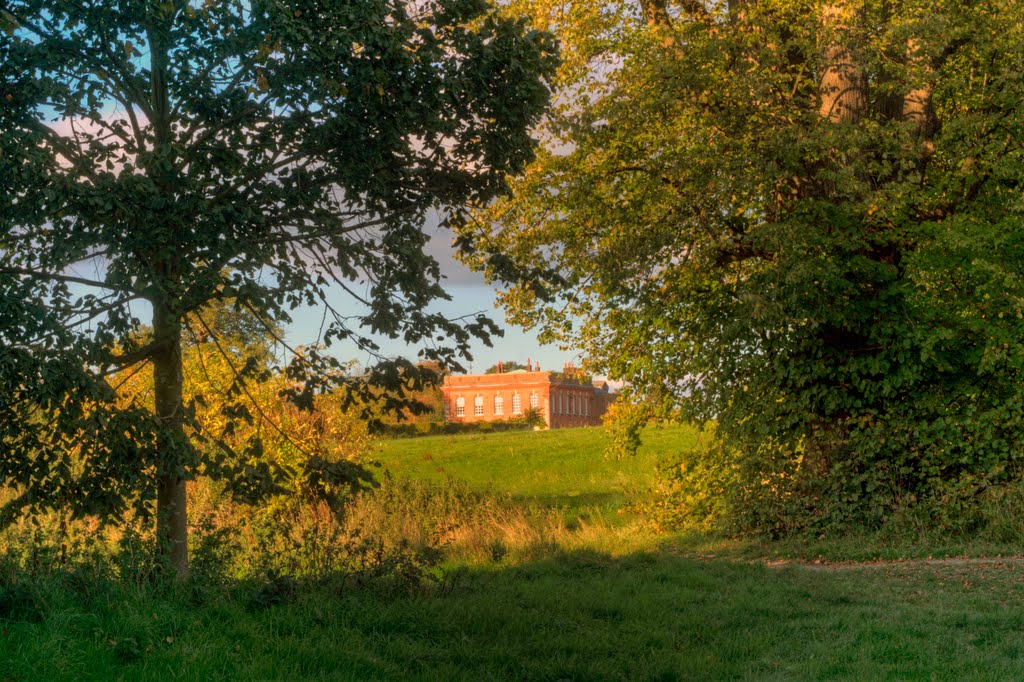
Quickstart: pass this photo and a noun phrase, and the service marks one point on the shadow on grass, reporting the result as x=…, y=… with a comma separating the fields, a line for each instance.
x=580, y=615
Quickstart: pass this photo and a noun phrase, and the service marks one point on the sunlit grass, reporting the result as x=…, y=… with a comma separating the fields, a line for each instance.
x=542, y=580
x=561, y=468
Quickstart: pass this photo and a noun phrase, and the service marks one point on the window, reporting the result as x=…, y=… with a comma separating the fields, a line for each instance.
x=517, y=404
x=534, y=400
x=561, y=404
x=499, y=405
x=460, y=407
x=478, y=406
x=586, y=406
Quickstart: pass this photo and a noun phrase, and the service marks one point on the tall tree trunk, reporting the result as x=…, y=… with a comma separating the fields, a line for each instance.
x=917, y=104
x=171, y=502
x=171, y=516
x=843, y=89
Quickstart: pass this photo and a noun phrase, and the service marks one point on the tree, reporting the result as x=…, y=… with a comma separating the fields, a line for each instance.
x=799, y=219
x=506, y=366
x=275, y=448
x=169, y=154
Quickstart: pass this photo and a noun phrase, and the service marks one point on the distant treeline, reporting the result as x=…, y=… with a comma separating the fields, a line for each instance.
x=411, y=430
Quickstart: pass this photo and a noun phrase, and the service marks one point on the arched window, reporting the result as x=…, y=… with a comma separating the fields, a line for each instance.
x=534, y=400
x=517, y=404
x=460, y=407
x=499, y=405
x=478, y=406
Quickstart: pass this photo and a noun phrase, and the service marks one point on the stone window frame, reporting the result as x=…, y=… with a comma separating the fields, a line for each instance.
x=460, y=407
x=517, y=403
x=478, y=406
x=499, y=404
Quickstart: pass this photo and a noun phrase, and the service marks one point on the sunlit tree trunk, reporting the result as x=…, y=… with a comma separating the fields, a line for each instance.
x=917, y=104
x=843, y=89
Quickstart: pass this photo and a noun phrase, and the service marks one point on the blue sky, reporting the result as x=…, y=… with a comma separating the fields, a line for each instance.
x=470, y=294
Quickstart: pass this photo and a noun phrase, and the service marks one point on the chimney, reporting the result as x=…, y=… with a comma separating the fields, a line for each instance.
x=527, y=364
x=538, y=366
x=501, y=368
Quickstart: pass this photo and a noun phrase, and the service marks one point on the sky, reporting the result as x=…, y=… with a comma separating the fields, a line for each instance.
x=470, y=294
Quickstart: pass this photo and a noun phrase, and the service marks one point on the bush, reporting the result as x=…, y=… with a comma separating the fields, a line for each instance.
x=525, y=422
x=808, y=491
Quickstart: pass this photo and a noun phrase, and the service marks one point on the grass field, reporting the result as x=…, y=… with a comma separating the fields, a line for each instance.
x=565, y=468
x=604, y=601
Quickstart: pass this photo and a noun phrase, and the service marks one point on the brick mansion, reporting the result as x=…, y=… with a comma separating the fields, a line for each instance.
x=561, y=399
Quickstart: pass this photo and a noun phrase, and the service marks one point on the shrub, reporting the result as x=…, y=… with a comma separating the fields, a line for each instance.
x=527, y=421
x=817, y=491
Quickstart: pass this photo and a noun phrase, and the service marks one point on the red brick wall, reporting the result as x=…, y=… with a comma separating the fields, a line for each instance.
x=561, y=402
x=574, y=404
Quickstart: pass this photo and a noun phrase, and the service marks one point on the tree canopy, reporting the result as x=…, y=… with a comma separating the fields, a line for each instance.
x=506, y=366
x=157, y=156
x=801, y=220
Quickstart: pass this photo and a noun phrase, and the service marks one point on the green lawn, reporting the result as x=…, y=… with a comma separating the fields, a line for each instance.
x=565, y=468
x=577, y=616
x=624, y=604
